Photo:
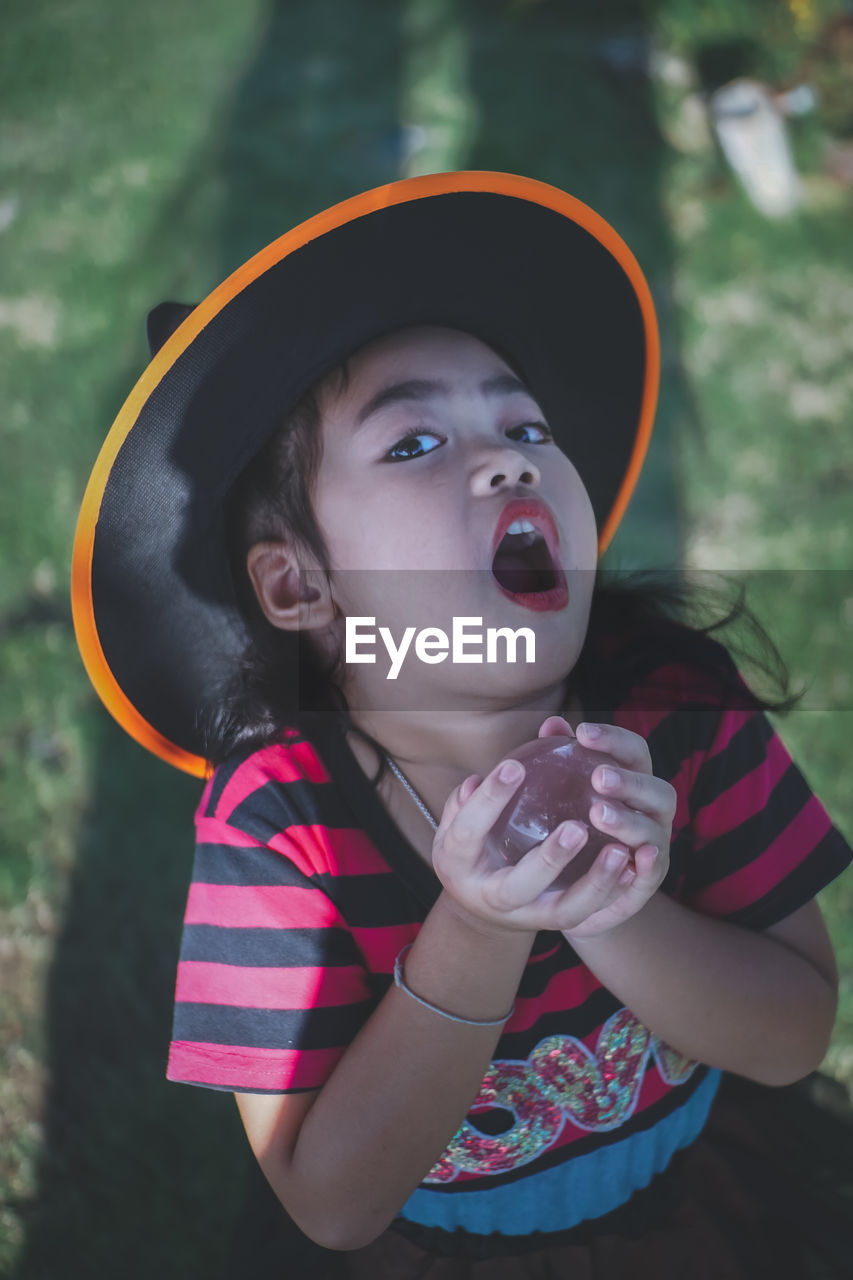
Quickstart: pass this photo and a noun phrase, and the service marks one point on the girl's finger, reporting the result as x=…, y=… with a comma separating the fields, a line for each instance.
x=555, y=725
x=536, y=871
x=595, y=890
x=469, y=786
x=642, y=791
x=625, y=825
x=467, y=830
x=650, y=864
x=457, y=798
x=627, y=747
x=647, y=872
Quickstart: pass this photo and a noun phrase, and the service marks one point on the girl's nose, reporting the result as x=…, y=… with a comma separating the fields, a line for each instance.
x=504, y=467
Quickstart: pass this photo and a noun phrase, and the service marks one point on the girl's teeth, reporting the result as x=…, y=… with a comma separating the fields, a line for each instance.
x=521, y=526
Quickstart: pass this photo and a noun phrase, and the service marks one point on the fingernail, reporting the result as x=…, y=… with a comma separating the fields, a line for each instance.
x=510, y=771
x=609, y=777
x=570, y=834
x=607, y=814
x=591, y=730
x=616, y=858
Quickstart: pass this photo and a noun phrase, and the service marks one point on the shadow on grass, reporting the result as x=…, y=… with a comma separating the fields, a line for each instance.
x=140, y=1176
x=568, y=99
x=125, y=1182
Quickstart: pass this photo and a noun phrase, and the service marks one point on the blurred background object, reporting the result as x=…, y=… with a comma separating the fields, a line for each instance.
x=150, y=149
x=752, y=135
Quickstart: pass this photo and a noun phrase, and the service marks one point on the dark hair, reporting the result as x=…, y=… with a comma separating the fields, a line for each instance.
x=638, y=621
x=645, y=622
x=270, y=500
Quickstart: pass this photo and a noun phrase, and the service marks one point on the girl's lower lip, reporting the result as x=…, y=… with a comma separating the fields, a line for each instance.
x=540, y=601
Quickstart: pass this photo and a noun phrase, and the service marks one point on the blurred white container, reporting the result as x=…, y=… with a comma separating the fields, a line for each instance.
x=754, y=140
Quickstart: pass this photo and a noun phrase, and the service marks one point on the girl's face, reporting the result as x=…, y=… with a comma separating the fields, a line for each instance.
x=423, y=453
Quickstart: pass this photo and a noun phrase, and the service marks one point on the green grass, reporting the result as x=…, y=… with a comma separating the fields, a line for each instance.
x=148, y=150
x=113, y=201
x=765, y=460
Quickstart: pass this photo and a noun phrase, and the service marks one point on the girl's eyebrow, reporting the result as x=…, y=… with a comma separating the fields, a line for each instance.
x=503, y=384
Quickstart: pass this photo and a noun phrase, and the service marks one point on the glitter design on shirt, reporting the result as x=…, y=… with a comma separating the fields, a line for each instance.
x=538, y=1121
x=672, y=1065
x=563, y=1079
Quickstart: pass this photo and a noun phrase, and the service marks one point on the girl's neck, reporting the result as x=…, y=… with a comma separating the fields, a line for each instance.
x=438, y=750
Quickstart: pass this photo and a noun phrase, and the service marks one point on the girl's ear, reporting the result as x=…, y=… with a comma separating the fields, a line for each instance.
x=291, y=598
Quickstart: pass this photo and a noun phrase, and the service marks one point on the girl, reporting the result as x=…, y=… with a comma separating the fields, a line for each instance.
x=432, y=403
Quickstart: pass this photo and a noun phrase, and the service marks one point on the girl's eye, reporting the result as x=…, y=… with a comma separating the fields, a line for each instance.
x=544, y=432
x=409, y=447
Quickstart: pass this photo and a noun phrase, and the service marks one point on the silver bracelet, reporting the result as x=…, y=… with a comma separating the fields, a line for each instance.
x=400, y=981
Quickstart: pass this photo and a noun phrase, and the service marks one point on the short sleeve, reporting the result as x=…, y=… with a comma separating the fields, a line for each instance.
x=271, y=987
x=762, y=845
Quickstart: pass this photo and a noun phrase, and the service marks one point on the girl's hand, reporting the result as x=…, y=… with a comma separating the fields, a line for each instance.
x=642, y=808
x=517, y=897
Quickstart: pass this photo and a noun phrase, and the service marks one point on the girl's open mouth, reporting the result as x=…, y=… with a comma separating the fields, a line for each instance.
x=526, y=573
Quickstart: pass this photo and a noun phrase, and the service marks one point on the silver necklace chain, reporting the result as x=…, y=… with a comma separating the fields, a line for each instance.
x=411, y=790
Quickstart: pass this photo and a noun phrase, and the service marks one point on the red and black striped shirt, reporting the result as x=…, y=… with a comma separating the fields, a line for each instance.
x=304, y=892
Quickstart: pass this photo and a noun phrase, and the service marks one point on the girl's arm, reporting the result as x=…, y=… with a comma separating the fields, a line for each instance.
x=344, y=1160
x=758, y=1004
